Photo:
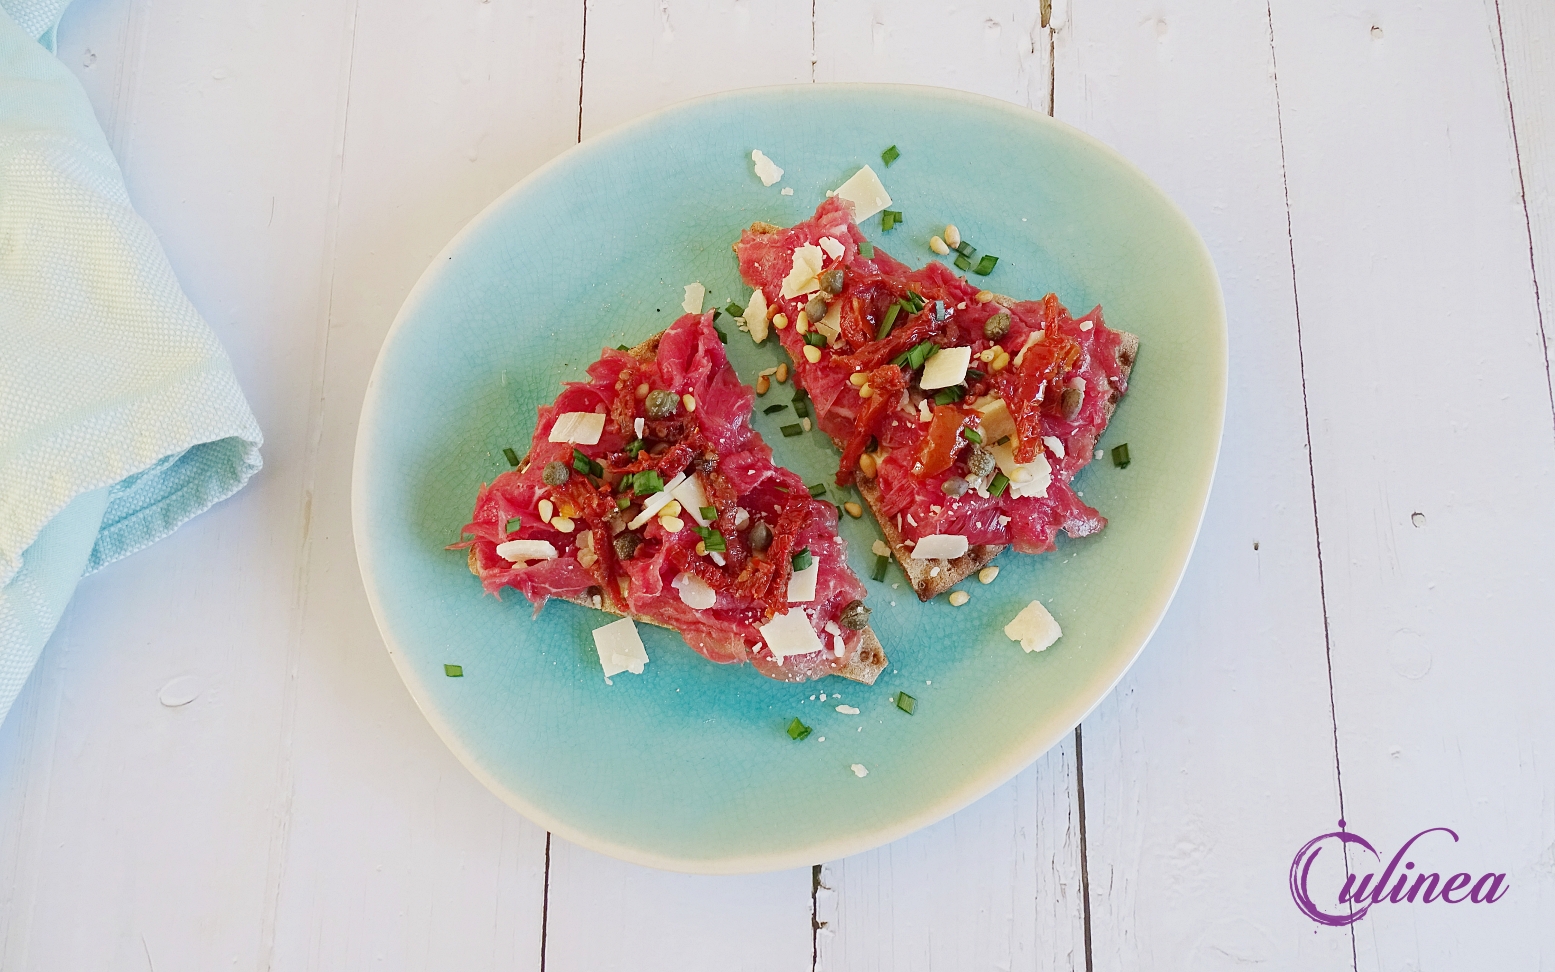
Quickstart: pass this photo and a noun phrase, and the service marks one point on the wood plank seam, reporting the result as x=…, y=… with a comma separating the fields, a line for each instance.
x=1522, y=192
x=1306, y=418
x=1085, y=871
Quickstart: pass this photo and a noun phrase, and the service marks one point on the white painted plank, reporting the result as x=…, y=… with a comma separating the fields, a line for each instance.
x=644, y=56
x=396, y=857
x=606, y=916
x=641, y=57
x=1213, y=761
x=998, y=48
x=1422, y=350
x=137, y=833
x=1527, y=30
x=997, y=886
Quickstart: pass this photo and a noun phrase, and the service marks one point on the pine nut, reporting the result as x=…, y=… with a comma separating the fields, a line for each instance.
x=563, y=524
x=672, y=508
x=689, y=402
x=987, y=574
x=802, y=326
x=672, y=524
x=958, y=598
x=547, y=510
x=804, y=423
x=952, y=236
x=857, y=379
x=1002, y=361
x=780, y=321
x=763, y=385
x=642, y=391
x=983, y=296
x=865, y=392
x=587, y=558
x=938, y=245
x=854, y=510
x=701, y=548
x=812, y=354
x=987, y=355
x=782, y=373
x=867, y=464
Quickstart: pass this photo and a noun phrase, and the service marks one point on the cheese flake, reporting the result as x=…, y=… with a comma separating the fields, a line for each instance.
x=847, y=710
x=801, y=278
x=523, y=551
x=940, y=546
x=880, y=549
x=658, y=501
x=695, y=294
x=790, y=634
x=945, y=368
x=756, y=316
x=833, y=249
x=583, y=428
x=997, y=422
x=831, y=324
x=620, y=648
x=766, y=169
x=1034, y=628
x=1031, y=479
x=859, y=770
x=801, y=584
x=1054, y=444
x=694, y=592
x=866, y=193
x=692, y=498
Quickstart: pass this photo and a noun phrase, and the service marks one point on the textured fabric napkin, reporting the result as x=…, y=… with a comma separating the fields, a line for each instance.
x=120, y=417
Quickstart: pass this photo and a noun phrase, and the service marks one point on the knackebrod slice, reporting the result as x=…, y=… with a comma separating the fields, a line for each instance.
x=647, y=494
x=962, y=415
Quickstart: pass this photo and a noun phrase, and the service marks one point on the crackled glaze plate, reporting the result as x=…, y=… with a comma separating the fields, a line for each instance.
x=688, y=766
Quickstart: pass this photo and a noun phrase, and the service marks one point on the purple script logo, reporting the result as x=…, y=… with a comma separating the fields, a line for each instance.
x=1360, y=896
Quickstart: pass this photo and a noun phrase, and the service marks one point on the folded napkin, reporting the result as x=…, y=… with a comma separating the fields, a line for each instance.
x=120, y=417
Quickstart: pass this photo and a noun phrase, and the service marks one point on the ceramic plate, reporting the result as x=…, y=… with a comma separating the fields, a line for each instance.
x=687, y=766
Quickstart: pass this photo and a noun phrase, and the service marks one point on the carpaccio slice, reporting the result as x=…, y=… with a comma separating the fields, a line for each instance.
x=1044, y=379
x=676, y=410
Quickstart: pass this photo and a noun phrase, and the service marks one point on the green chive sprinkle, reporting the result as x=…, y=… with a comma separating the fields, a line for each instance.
x=774, y=409
x=890, y=155
x=789, y=431
x=802, y=560
x=797, y=730
x=647, y=483
x=889, y=218
x=985, y=265
x=866, y=250
x=714, y=542
x=622, y=347
x=582, y=463
x=972, y=435
x=965, y=249
x=512, y=526
x=623, y=501
x=453, y=671
x=709, y=513
x=513, y=459
x=1120, y=456
x=887, y=321
x=914, y=301
x=972, y=374
x=816, y=338
x=962, y=263
x=1004, y=440
x=906, y=702
x=734, y=310
x=818, y=490
x=1000, y=481
x=801, y=407
x=946, y=396
x=881, y=563
x=635, y=446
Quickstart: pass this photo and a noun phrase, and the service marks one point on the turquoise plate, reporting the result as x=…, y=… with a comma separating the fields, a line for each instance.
x=687, y=766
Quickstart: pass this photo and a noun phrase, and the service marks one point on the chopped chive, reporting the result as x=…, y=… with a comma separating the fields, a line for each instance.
x=635, y=446
x=881, y=563
x=800, y=393
x=716, y=312
x=1000, y=481
x=889, y=218
x=919, y=353
x=801, y=407
x=797, y=730
x=623, y=501
x=985, y=265
x=582, y=463
x=962, y=263
x=734, y=310
x=887, y=321
x=972, y=374
x=946, y=396
x=890, y=155
x=774, y=409
x=802, y=560
x=1120, y=456
x=713, y=542
x=722, y=337
x=866, y=250
x=914, y=301
x=905, y=702
x=453, y=671
x=709, y=513
x=789, y=431
x=512, y=457
x=815, y=338
x=972, y=435
x=939, y=310
x=622, y=347
x=512, y=526
x=965, y=249
x=647, y=483
x=818, y=490
x=1003, y=440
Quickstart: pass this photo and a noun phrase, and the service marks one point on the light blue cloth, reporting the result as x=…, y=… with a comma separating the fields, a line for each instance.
x=120, y=417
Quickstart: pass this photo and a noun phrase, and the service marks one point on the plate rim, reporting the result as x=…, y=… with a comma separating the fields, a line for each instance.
x=993, y=774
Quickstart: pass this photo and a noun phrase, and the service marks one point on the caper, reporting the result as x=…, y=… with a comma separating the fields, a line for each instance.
x=1071, y=403
x=954, y=486
x=831, y=281
x=661, y=404
x=760, y=537
x=816, y=308
x=981, y=462
x=996, y=326
x=626, y=545
x=855, y=616
x=555, y=473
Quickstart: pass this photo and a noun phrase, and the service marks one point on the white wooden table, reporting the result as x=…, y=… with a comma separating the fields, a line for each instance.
x=1364, y=629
